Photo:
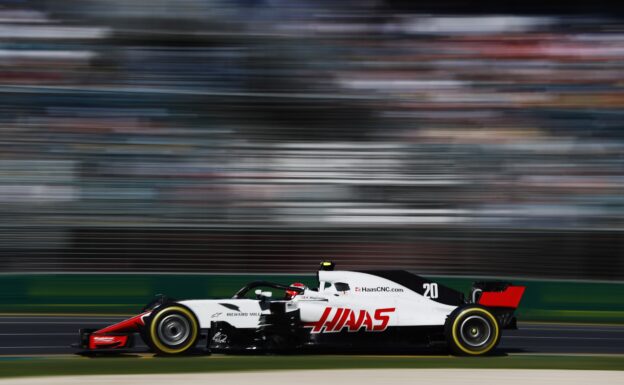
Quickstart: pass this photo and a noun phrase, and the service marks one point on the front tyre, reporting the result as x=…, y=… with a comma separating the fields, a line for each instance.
x=473, y=331
x=173, y=330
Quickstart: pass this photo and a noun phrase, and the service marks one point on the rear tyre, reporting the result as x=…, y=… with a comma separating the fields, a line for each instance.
x=472, y=331
x=173, y=330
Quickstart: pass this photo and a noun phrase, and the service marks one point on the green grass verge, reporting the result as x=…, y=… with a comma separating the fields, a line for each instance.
x=42, y=366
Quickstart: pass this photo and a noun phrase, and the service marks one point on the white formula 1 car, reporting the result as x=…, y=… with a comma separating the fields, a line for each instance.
x=349, y=310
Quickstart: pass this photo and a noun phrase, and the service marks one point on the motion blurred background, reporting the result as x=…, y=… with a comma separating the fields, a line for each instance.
x=264, y=136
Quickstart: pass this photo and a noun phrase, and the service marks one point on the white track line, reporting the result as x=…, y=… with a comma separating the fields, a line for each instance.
x=38, y=334
x=53, y=323
x=589, y=330
x=18, y=319
x=346, y=377
x=564, y=338
x=34, y=347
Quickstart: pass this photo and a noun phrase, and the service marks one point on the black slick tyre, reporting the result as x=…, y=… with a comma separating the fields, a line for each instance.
x=472, y=331
x=172, y=330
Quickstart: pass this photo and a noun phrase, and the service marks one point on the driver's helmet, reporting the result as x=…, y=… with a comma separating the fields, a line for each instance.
x=290, y=294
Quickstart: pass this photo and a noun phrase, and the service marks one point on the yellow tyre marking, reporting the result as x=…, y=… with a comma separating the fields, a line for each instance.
x=154, y=334
x=487, y=347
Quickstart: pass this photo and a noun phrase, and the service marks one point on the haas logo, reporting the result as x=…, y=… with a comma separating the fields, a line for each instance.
x=353, y=320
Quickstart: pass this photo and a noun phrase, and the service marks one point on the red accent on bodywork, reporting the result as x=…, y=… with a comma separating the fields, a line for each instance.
x=97, y=341
x=355, y=323
x=331, y=325
x=347, y=317
x=320, y=323
x=379, y=315
x=117, y=335
x=510, y=297
x=130, y=325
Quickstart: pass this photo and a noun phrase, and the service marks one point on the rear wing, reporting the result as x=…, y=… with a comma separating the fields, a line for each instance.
x=497, y=294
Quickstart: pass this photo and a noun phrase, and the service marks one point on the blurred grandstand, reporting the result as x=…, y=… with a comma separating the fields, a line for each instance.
x=248, y=136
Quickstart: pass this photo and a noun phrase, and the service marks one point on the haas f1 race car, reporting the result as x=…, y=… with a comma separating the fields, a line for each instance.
x=349, y=310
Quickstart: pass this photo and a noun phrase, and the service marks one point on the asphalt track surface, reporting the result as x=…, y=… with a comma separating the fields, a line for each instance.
x=35, y=335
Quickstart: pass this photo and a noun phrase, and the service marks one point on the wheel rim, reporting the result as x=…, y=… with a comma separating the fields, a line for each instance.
x=174, y=330
x=475, y=331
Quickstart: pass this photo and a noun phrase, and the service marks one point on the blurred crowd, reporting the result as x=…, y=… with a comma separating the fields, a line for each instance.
x=304, y=117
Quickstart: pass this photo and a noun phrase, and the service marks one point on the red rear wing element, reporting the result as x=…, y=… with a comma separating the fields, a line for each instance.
x=510, y=297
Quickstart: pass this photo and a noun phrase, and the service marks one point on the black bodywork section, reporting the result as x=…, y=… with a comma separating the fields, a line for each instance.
x=414, y=282
x=278, y=331
x=225, y=338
